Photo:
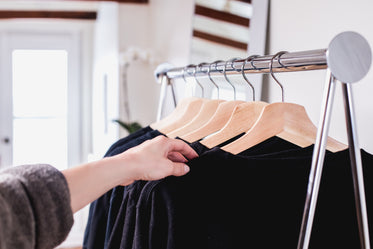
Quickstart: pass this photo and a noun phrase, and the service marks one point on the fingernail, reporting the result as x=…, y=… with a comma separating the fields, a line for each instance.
x=186, y=168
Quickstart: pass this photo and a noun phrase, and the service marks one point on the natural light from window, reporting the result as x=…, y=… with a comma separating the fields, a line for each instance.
x=40, y=107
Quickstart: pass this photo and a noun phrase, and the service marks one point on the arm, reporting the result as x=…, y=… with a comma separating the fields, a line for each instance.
x=151, y=160
x=34, y=207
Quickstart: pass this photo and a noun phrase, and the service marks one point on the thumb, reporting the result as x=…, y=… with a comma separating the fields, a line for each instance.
x=180, y=169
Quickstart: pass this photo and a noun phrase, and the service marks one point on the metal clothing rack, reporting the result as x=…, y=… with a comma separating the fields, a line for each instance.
x=347, y=60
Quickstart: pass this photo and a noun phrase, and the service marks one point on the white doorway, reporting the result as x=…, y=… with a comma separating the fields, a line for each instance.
x=45, y=98
x=40, y=99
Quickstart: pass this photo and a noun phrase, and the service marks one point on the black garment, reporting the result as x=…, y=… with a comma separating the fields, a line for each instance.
x=122, y=215
x=102, y=210
x=129, y=138
x=230, y=201
x=123, y=234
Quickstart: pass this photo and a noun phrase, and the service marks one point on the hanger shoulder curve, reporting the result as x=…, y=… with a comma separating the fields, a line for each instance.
x=177, y=112
x=181, y=117
x=286, y=120
x=301, y=130
x=206, y=111
x=271, y=122
x=216, y=122
x=241, y=120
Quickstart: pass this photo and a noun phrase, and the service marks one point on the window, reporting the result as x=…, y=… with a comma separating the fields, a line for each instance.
x=40, y=107
x=45, y=102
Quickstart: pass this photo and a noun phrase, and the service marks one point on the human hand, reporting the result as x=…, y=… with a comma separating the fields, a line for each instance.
x=155, y=159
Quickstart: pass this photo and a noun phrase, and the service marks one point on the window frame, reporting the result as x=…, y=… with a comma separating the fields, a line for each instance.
x=47, y=36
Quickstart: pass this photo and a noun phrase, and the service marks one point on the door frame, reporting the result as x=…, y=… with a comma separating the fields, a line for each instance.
x=48, y=39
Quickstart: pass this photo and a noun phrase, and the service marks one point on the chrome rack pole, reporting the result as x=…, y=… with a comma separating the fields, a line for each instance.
x=356, y=167
x=317, y=163
x=348, y=59
x=289, y=62
x=164, y=81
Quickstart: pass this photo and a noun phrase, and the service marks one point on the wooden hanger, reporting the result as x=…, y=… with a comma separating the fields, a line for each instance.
x=243, y=116
x=242, y=119
x=183, y=113
x=285, y=120
x=206, y=111
x=216, y=122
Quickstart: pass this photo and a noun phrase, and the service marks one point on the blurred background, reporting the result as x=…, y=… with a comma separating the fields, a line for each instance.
x=69, y=68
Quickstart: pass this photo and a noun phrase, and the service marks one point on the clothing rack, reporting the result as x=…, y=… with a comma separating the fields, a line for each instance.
x=346, y=60
x=288, y=62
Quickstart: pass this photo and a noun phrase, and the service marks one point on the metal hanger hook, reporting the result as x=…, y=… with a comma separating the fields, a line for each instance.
x=195, y=78
x=211, y=79
x=225, y=74
x=185, y=70
x=278, y=55
x=207, y=72
x=249, y=59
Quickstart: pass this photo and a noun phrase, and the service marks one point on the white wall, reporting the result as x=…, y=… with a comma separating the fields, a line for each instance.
x=163, y=28
x=306, y=25
x=105, y=79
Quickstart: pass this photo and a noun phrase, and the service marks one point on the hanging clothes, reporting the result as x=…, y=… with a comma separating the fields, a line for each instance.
x=249, y=199
x=226, y=200
x=103, y=209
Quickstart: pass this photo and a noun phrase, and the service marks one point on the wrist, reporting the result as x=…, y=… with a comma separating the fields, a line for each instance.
x=122, y=170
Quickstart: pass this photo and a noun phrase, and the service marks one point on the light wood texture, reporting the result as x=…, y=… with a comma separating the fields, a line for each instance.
x=242, y=119
x=183, y=113
x=206, y=111
x=286, y=120
x=216, y=122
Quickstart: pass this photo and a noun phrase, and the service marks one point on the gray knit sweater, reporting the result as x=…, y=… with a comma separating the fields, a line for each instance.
x=35, y=207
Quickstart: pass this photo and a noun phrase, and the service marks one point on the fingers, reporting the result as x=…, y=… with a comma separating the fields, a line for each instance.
x=176, y=157
x=158, y=158
x=176, y=145
x=180, y=169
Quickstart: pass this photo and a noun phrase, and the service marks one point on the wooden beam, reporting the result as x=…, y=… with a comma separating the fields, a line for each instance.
x=10, y=14
x=118, y=1
x=221, y=15
x=220, y=40
x=245, y=1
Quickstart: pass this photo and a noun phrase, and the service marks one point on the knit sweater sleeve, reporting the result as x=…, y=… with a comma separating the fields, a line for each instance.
x=35, y=209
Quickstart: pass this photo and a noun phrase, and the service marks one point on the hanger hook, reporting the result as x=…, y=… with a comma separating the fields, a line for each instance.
x=185, y=70
x=225, y=74
x=211, y=79
x=207, y=73
x=278, y=55
x=250, y=58
x=195, y=77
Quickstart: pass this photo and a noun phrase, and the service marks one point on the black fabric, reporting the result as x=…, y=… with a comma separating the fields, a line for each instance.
x=230, y=201
x=200, y=148
x=129, y=138
x=121, y=223
x=272, y=144
x=119, y=191
x=111, y=216
x=102, y=210
x=253, y=199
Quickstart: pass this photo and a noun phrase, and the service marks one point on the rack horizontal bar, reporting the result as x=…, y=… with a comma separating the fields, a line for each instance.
x=288, y=62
